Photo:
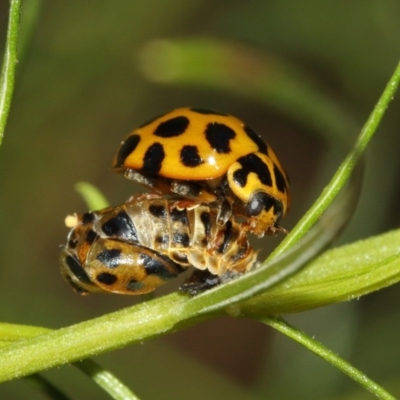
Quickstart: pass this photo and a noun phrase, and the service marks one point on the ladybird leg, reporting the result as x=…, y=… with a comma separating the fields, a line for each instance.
x=224, y=212
x=144, y=197
x=156, y=184
x=278, y=229
x=139, y=178
x=192, y=191
x=183, y=204
x=200, y=281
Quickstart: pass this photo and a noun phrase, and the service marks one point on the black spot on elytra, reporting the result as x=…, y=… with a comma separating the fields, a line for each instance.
x=227, y=237
x=182, y=239
x=87, y=218
x=121, y=227
x=158, y=211
x=218, y=136
x=256, y=138
x=127, y=147
x=172, y=127
x=205, y=111
x=153, y=158
x=134, y=286
x=252, y=163
x=190, y=156
x=110, y=258
x=106, y=278
x=154, y=266
x=77, y=269
x=91, y=237
x=280, y=179
x=206, y=220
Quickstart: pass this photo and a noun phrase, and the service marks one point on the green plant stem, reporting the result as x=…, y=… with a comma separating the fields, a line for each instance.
x=328, y=355
x=10, y=333
x=342, y=174
x=106, y=380
x=9, y=64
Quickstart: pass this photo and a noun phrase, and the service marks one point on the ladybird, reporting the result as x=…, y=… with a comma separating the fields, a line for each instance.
x=135, y=247
x=208, y=156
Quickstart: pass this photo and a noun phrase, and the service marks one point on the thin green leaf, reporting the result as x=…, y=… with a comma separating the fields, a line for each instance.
x=343, y=173
x=340, y=274
x=9, y=64
x=106, y=380
x=92, y=196
x=328, y=355
x=10, y=333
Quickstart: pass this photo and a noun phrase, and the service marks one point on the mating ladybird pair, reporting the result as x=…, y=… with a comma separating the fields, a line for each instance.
x=219, y=180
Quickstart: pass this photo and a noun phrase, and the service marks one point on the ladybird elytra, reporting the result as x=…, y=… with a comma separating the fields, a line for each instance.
x=203, y=148
x=208, y=156
x=138, y=246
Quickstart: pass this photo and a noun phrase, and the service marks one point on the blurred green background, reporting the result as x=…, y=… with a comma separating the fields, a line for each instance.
x=305, y=75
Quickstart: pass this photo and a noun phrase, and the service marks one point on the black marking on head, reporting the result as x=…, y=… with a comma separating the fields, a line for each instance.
x=76, y=268
x=153, y=158
x=180, y=215
x=127, y=147
x=110, y=258
x=182, y=239
x=190, y=156
x=257, y=139
x=87, y=218
x=91, y=237
x=106, y=278
x=262, y=201
x=205, y=111
x=206, y=220
x=120, y=226
x=227, y=237
x=218, y=136
x=280, y=179
x=134, y=286
x=172, y=127
x=154, y=266
x=252, y=163
x=158, y=211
